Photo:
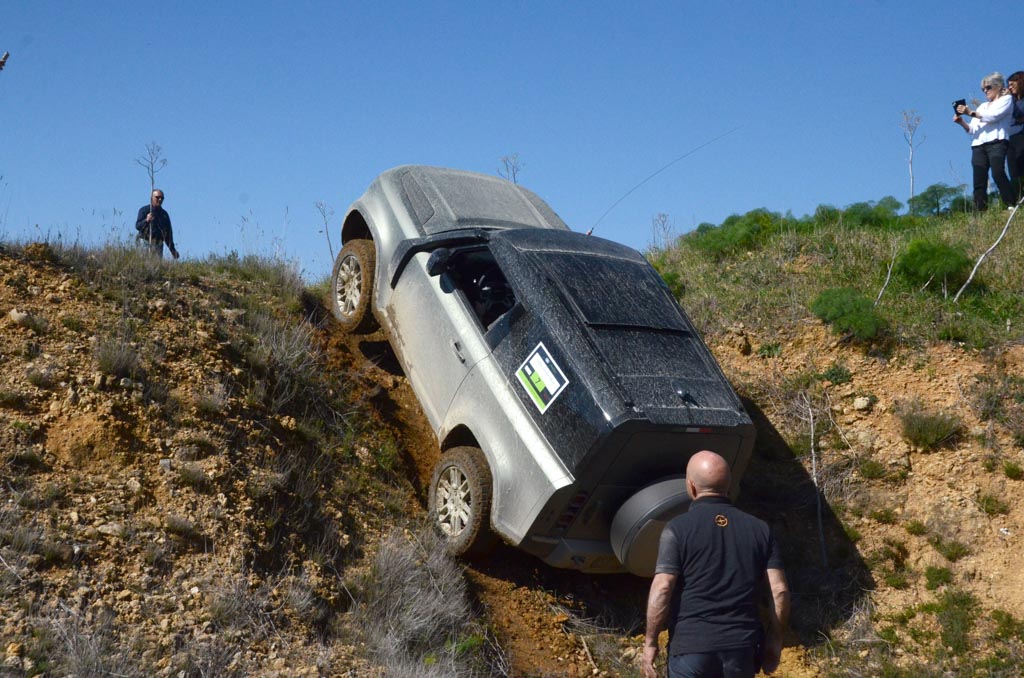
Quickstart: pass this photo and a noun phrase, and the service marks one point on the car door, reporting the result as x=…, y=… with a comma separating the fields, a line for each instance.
x=438, y=336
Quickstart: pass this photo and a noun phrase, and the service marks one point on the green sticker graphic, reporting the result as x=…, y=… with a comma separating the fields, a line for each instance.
x=542, y=378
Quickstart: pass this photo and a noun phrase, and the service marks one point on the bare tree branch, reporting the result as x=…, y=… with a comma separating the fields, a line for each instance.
x=888, y=275
x=326, y=212
x=909, y=125
x=814, y=476
x=977, y=265
x=152, y=162
x=510, y=168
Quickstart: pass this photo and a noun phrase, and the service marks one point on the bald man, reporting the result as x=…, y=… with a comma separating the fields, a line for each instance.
x=154, y=225
x=713, y=562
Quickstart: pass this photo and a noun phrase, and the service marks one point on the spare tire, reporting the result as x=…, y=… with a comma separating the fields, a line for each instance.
x=636, y=527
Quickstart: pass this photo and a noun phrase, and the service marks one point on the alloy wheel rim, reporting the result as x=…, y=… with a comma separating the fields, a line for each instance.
x=454, y=501
x=350, y=285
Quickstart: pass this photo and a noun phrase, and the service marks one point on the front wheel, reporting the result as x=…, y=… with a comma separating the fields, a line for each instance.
x=352, y=286
x=460, y=501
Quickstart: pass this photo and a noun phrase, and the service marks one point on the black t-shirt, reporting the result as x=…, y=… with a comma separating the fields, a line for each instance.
x=720, y=555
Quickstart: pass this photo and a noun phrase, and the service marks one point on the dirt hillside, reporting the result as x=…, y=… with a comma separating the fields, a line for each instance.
x=115, y=513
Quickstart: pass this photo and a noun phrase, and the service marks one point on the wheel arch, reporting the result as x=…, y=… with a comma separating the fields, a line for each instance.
x=460, y=436
x=463, y=436
x=355, y=228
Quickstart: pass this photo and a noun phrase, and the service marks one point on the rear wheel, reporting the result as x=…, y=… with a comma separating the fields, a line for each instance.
x=460, y=501
x=352, y=286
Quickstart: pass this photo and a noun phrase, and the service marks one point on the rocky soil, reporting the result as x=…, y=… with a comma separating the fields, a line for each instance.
x=137, y=502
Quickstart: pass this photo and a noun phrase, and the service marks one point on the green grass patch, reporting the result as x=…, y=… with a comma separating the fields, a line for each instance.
x=993, y=505
x=937, y=576
x=848, y=311
x=886, y=516
x=871, y=469
x=837, y=373
x=916, y=528
x=950, y=549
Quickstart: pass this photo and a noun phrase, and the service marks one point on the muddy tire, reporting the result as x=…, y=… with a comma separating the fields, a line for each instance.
x=352, y=286
x=460, y=502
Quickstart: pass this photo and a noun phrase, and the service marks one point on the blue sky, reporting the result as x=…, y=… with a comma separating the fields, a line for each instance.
x=262, y=109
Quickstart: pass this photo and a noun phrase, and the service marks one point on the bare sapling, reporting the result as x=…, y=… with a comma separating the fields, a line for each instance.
x=510, y=168
x=152, y=162
x=911, y=121
x=326, y=212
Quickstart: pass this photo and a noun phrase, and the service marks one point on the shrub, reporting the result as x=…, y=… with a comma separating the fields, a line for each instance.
x=737, y=233
x=884, y=516
x=413, y=601
x=956, y=617
x=673, y=280
x=771, y=350
x=923, y=429
x=193, y=476
x=73, y=323
x=950, y=550
x=117, y=358
x=871, y=469
x=181, y=526
x=1007, y=626
x=837, y=373
x=894, y=551
x=212, y=399
x=936, y=576
x=993, y=505
x=916, y=528
x=11, y=399
x=849, y=312
x=41, y=377
x=925, y=261
x=1013, y=470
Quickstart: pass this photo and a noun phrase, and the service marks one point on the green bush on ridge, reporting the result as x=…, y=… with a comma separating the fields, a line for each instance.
x=925, y=261
x=849, y=312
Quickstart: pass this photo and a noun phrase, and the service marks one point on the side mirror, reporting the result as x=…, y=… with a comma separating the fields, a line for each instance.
x=438, y=261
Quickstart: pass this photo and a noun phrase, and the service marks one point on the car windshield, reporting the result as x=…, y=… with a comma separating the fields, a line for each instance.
x=609, y=291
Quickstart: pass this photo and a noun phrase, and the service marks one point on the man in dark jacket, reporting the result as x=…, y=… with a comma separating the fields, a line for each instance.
x=712, y=562
x=154, y=225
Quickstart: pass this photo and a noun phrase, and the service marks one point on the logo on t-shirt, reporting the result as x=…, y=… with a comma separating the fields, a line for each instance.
x=721, y=520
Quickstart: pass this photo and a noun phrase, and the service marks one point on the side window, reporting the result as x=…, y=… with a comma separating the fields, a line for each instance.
x=480, y=279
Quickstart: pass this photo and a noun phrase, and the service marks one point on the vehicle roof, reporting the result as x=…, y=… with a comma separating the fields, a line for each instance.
x=439, y=199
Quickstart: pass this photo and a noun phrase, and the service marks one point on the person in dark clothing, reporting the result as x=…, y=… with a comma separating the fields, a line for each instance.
x=154, y=225
x=713, y=561
x=1015, y=147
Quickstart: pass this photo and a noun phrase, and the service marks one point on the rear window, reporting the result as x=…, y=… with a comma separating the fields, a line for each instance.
x=614, y=292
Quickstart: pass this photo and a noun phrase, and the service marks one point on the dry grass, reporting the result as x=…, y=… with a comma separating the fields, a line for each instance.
x=413, y=609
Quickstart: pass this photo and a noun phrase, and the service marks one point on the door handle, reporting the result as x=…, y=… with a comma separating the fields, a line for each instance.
x=458, y=351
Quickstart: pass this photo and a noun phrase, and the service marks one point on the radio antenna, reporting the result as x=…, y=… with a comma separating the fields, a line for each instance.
x=684, y=155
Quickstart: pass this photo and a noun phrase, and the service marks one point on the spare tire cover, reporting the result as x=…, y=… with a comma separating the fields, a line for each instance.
x=636, y=527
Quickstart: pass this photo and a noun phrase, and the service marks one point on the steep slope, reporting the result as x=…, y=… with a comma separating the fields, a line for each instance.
x=181, y=491
x=161, y=502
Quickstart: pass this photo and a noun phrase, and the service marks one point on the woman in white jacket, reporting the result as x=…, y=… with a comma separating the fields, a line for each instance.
x=989, y=129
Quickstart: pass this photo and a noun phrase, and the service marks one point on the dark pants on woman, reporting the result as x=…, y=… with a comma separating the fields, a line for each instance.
x=1015, y=159
x=991, y=156
x=722, y=664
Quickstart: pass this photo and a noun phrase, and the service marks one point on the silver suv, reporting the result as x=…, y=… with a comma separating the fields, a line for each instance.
x=566, y=386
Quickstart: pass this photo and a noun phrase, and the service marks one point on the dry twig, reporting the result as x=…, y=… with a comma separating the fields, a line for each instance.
x=977, y=265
